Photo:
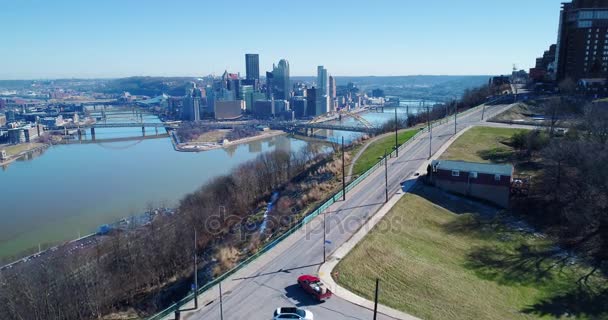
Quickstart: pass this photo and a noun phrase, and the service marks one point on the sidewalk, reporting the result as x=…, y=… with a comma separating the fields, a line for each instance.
x=326, y=270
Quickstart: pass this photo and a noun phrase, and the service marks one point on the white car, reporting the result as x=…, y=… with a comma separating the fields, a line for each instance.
x=292, y=313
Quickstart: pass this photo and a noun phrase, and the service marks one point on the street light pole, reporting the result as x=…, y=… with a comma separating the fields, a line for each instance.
x=385, y=176
x=324, y=236
x=455, y=115
x=396, y=134
x=221, y=303
x=428, y=116
x=376, y=298
x=195, y=274
x=343, y=174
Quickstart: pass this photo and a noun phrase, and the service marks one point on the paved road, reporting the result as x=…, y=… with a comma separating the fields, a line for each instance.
x=256, y=291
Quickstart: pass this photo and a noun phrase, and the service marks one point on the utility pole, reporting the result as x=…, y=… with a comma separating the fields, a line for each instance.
x=483, y=111
x=324, y=237
x=396, y=134
x=343, y=173
x=385, y=176
x=195, y=274
x=221, y=303
x=376, y=298
x=428, y=116
x=455, y=115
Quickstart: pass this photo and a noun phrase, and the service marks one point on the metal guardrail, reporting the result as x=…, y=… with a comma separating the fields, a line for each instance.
x=174, y=307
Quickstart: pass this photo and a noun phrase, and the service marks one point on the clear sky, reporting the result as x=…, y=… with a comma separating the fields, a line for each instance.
x=116, y=38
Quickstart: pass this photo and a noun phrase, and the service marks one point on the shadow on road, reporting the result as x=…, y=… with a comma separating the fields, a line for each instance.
x=301, y=298
x=278, y=271
x=406, y=161
x=341, y=210
x=444, y=135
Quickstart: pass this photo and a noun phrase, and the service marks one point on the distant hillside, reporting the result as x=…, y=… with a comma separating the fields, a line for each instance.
x=148, y=86
x=435, y=88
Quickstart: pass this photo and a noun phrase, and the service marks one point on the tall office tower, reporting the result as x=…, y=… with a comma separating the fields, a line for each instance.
x=298, y=104
x=252, y=66
x=582, y=42
x=211, y=98
x=332, y=94
x=234, y=85
x=246, y=94
x=282, y=86
x=322, y=91
x=311, y=103
x=192, y=103
x=269, y=85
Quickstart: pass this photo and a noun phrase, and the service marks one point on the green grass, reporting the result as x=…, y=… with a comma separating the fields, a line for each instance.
x=482, y=144
x=435, y=264
x=491, y=145
x=370, y=156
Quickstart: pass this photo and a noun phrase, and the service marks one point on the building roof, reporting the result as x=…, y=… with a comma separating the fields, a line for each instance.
x=502, y=169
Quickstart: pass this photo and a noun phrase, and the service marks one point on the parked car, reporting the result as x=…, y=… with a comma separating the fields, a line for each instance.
x=292, y=313
x=313, y=286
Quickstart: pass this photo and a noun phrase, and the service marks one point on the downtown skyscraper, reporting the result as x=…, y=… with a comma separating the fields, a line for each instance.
x=192, y=103
x=281, y=82
x=332, y=94
x=252, y=66
x=322, y=91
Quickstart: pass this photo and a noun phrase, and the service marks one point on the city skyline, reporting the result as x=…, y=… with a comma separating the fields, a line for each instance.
x=389, y=38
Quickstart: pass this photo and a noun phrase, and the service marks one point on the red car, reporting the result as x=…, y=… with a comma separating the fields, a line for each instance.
x=314, y=287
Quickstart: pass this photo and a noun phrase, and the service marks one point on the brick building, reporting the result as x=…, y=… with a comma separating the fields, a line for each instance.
x=490, y=182
x=582, y=44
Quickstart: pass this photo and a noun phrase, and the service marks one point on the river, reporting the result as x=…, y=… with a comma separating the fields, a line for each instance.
x=70, y=190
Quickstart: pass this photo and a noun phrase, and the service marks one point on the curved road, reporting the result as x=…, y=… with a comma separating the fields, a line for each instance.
x=270, y=282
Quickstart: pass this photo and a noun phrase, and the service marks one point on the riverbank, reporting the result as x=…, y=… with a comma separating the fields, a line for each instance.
x=206, y=146
x=15, y=152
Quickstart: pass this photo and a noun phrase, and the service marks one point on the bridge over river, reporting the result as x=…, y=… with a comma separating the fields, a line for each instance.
x=296, y=126
x=288, y=126
x=280, y=125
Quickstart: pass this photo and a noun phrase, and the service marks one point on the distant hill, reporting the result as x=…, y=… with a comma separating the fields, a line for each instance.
x=435, y=88
x=148, y=86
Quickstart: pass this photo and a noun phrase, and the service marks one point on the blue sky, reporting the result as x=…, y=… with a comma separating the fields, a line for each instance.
x=115, y=38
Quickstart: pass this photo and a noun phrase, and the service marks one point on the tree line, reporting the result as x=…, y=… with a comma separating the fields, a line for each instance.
x=569, y=197
x=148, y=268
